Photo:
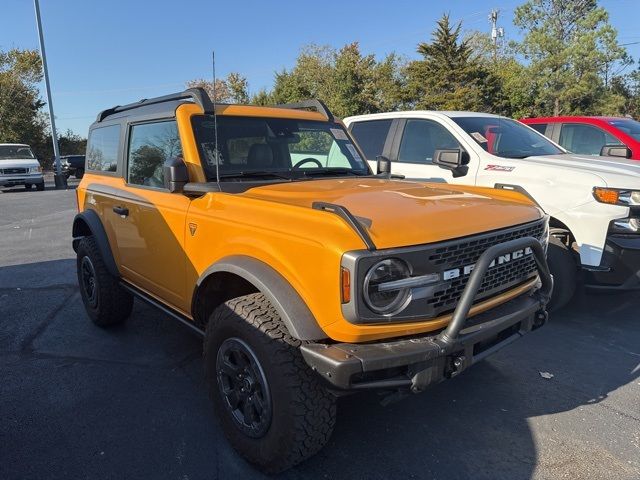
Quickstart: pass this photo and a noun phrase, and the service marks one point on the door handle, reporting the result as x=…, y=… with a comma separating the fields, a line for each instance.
x=122, y=211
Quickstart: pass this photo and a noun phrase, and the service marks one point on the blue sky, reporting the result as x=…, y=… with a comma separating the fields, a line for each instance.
x=103, y=53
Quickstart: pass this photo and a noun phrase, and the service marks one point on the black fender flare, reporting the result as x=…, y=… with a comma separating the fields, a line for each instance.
x=519, y=189
x=90, y=220
x=292, y=309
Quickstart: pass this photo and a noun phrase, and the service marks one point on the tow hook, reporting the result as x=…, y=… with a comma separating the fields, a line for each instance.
x=540, y=319
x=457, y=365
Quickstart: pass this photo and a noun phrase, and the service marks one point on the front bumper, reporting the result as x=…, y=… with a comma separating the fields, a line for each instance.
x=620, y=266
x=26, y=179
x=417, y=362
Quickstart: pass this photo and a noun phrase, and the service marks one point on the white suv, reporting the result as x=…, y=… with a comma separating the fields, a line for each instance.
x=593, y=202
x=19, y=166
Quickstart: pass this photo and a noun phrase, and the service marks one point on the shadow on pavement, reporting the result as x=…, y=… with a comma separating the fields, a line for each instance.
x=130, y=402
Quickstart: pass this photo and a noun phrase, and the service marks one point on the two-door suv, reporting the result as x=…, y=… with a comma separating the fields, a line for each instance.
x=264, y=229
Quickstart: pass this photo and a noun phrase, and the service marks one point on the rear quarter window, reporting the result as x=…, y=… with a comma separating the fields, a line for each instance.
x=102, y=149
x=371, y=136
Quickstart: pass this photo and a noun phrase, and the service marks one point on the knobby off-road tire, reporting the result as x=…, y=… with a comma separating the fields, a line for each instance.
x=297, y=413
x=564, y=269
x=106, y=302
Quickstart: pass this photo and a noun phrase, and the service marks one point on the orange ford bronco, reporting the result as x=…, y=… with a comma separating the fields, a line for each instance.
x=264, y=230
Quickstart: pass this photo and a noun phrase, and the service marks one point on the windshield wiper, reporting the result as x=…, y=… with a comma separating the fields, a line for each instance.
x=256, y=173
x=330, y=170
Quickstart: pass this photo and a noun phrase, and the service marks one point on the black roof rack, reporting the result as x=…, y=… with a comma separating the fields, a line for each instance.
x=198, y=95
x=201, y=98
x=316, y=104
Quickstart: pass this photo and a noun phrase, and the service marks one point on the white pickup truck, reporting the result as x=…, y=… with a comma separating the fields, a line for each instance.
x=19, y=166
x=593, y=202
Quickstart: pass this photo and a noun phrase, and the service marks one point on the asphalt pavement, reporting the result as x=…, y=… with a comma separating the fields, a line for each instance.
x=80, y=402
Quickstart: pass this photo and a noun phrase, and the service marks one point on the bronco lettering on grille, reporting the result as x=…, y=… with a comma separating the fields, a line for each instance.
x=501, y=260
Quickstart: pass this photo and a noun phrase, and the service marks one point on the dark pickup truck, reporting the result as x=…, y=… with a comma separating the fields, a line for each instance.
x=72, y=165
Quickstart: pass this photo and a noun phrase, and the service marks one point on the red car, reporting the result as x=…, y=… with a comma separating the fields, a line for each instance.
x=609, y=136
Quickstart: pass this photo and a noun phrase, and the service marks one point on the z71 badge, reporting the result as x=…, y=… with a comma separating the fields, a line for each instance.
x=500, y=168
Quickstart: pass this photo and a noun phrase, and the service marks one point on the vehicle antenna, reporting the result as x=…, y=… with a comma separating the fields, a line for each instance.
x=215, y=118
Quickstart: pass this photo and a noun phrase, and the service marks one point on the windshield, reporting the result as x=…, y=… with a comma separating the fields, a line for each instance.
x=253, y=147
x=12, y=152
x=506, y=138
x=628, y=126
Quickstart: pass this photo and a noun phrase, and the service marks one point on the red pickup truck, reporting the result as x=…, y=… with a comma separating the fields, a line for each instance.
x=608, y=136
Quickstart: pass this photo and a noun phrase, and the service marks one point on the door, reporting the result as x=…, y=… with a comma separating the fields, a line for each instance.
x=412, y=152
x=584, y=139
x=151, y=220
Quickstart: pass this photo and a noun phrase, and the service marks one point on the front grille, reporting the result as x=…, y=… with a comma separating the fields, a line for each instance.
x=13, y=171
x=498, y=278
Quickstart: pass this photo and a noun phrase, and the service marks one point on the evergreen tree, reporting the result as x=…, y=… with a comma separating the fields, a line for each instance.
x=449, y=77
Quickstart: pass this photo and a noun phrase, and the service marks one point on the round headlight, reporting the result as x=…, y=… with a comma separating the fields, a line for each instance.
x=635, y=197
x=387, y=299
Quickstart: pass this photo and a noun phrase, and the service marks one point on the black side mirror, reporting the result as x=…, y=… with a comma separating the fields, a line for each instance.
x=455, y=160
x=621, y=151
x=383, y=166
x=176, y=175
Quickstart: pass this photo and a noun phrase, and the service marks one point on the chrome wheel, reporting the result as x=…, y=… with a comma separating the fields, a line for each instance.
x=244, y=388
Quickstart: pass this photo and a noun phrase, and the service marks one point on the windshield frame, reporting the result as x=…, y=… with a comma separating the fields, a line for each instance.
x=619, y=124
x=279, y=174
x=557, y=149
x=17, y=148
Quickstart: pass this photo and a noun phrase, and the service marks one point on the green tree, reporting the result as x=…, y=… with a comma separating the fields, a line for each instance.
x=572, y=52
x=514, y=88
x=69, y=143
x=20, y=117
x=346, y=80
x=449, y=76
x=233, y=89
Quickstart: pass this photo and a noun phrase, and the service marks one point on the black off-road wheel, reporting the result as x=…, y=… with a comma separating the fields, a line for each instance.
x=272, y=407
x=106, y=302
x=564, y=269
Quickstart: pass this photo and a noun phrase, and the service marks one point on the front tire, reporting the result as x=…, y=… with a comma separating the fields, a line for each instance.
x=563, y=267
x=272, y=407
x=40, y=186
x=106, y=302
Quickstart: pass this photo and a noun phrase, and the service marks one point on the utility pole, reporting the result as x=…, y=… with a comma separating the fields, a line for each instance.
x=60, y=180
x=496, y=32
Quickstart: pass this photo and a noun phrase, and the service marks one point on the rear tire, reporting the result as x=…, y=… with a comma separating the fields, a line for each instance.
x=291, y=414
x=564, y=269
x=106, y=302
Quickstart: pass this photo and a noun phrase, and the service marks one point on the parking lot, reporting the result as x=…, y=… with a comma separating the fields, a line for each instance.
x=130, y=402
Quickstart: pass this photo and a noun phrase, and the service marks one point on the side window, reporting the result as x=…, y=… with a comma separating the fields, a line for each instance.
x=539, y=127
x=423, y=137
x=585, y=139
x=371, y=136
x=150, y=145
x=102, y=149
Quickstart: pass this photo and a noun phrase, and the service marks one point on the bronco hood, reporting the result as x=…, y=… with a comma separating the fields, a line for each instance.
x=403, y=213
